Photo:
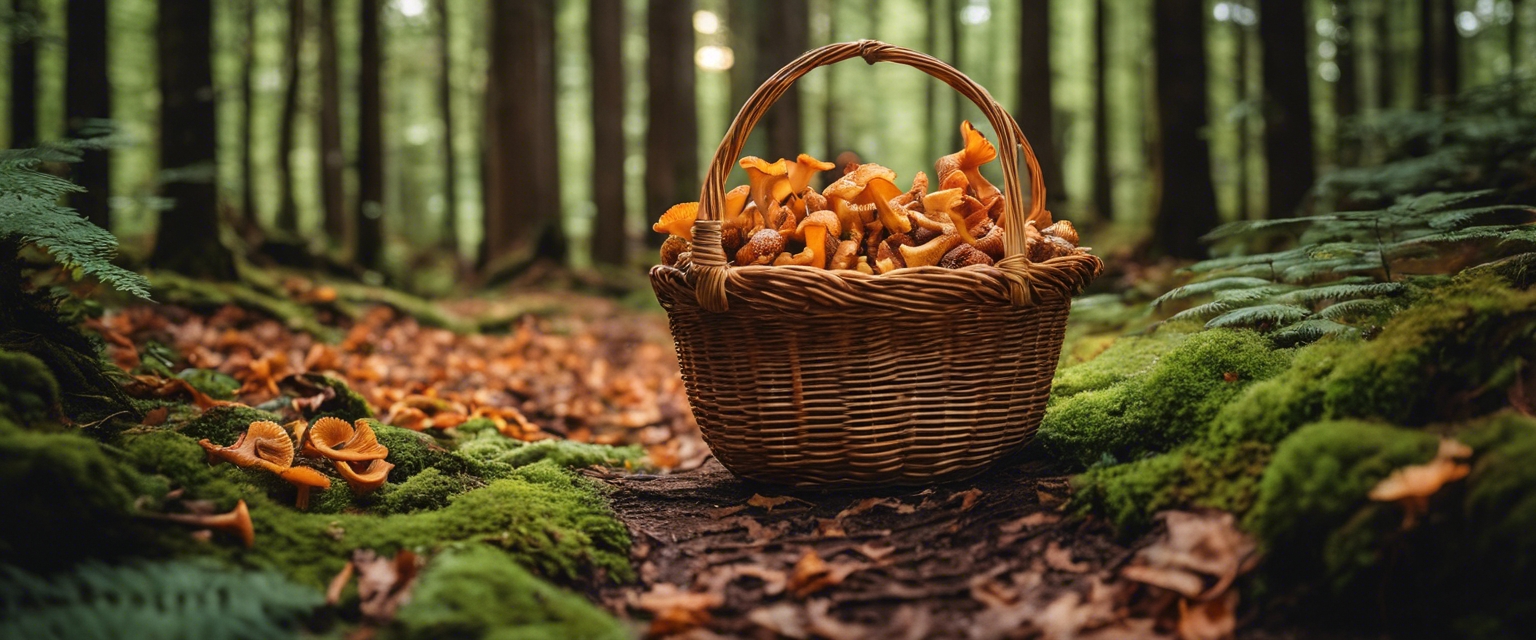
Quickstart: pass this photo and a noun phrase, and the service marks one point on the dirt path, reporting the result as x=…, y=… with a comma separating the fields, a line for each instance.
x=971, y=559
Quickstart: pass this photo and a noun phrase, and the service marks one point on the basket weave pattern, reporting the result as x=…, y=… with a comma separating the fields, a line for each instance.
x=809, y=377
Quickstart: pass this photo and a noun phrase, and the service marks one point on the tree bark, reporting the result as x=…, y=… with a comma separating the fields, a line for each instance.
x=1288, y=152
x=188, y=237
x=88, y=104
x=333, y=159
x=450, y=231
x=1439, y=52
x=1103, y=187
x=522, y=190
x=1187, y=201
x=1035, y=111
x=247, y=111
x=23, y=96
x=1244, y=143
x=1346, y=101
x=605, y=37
x=1386, y=69
x=288, y=209
x=370, y=140
x=784, y=37
x=672, y=134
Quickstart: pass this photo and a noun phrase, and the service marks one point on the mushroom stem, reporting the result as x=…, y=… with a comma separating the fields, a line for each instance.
x=816, y=242
x=236, y=522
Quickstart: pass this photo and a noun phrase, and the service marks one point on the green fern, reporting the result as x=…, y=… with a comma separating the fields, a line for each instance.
x=178, y=599
x=1312, y=330
x=30, y=213
x=1264, y=315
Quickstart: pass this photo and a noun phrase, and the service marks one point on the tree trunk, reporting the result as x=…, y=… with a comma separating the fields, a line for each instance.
x=1346, y=102
x=23, y=94
x=370, y=140
x=784, y=37
x=746, y=20
x=1035, y=111
x=1244, y=179
x=333, y=159
x=1288, y=151
x=445, y=105
x=188, y=237
x=288, y=209
x=605, y=36
x=1103, y=188
x=1386, y=68
x=1439, y=55
x=522, y=190
x=88, y=104
x=672, y=135
x=247, y=111
x=1187, y=202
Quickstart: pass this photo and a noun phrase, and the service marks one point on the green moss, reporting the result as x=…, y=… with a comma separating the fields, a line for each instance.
x=1195, y=475
x=213, y=383
x=1500, y=503
x=1270, y=410
x=477, y=591
x=347, y=404
x=1319, y=478
x=223, y=425
x=1126, y=358
x=412, y=452
x=1169, y=403
x=28, y=392
x=427, y=490
x=498, y=453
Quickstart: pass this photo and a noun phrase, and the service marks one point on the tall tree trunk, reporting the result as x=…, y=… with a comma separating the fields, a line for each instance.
x=522, y=190
x=188, y=237
x=247, y=113
x=1439, y=52
x=288, y=209
x=1035, y=111
x=333, y=159
x=1244, y=137
x=87, y=104
x=445, y=105
x=1386, y=68
x=1346, y=101
x=1186, y=206
x=746, y=20
x=370, y=140
x=1512, y=36
x=672, y=135
x=605, y=37
x=1103, y=187
x=1288, y=152
x=784, y=37
x=23, y=94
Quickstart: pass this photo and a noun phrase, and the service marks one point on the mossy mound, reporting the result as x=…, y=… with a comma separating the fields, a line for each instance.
x=477, y=591
x=223, y=425
x=412, y=452
x=499, y=454
x=28, y=392
x=430, y=489
x=344, y=403
x=1153, y=404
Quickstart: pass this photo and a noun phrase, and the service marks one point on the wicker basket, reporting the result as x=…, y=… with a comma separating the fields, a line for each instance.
x=814, y=378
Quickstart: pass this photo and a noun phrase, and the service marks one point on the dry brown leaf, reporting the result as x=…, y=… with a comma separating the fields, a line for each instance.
x=875, y=551
x=812, y=574
x=384, y=584
x=1030, y=521
x=821, y=622
x=967, y=499
x=1206, y=544
x=782, y=618
x=1178, y=581
x=339, y=584
x=830, y=528
x=676, y=610
x=866, y=505
x=1060, y=559
x=768, y=503
x=1211, y=620
x=155, y=417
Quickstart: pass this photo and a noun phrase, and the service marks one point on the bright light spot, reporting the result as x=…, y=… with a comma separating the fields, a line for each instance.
x=1245, y=16
x=1329, y=71
x=714, y=58
x=412, y=8
x=1325, y=28
x=1505, y=12
x=1484, y=9
x=418, y=134
x=1341, y=35
x=706, y=22
x=1327, y=49
x=976, y=12
x=1222, y=12
x=1466, y=23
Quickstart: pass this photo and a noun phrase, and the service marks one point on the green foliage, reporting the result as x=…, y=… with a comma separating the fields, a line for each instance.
x=223, y=425
x=1159, y=407
x=501, y=454
x=178, y=599
x=217, y=385
x=1193, y=475
x=413, y=452
x=30, y=214
x=346, y=404
x=430, y=489
x=476, y=591
x=29, y=395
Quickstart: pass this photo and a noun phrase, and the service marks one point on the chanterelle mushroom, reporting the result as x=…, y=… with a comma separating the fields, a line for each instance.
x=948, y=203
x=871, y=184
x=678, y=220
x=237, y=522
x=337, y=440
x=368, y=478
x=816, y=228
x=766, y=181
x=978, y=151
x=805, y=168
x=305, y=479
x=265, y=444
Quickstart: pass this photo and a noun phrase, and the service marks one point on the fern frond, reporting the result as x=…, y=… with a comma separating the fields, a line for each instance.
x=1264, y=315
x=1202, y=311
x=1208, y=286
x=178, y=599
x=1362, y=308
x=1339, y=292
x=1312, y=330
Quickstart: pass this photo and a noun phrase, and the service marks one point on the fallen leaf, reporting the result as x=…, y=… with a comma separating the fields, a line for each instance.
x=876, y=552
x=1207, y=544
x=1060, y=558
x=830, y=528
x=1210, y=620
x=675, y=610
x=384, y=584
x=782, y=618
x=821, y=622
x=339, y=584
x=767, y=503
x=1030, y=521
x=721, y=512
x=866, y=505
x=812, y=574
x=155, y=417
x=967, y=499
x=1179, y=581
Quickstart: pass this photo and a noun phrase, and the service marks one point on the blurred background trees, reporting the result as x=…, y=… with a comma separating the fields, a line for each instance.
x=385, y=136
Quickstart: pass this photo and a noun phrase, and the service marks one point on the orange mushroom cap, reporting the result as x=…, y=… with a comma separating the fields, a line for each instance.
x=872, y=184
x=678, y=220
x=237, y=522
x=264, y=444
x=735, y=202
x=948, y=202
x=370, y=478
x=305, y=479
x=337, y=440
x=815, y=228
x=805, y=168
x=978, y=151
x=766, y=181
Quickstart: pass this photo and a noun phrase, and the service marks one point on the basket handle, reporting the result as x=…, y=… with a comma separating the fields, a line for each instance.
x=709, y=259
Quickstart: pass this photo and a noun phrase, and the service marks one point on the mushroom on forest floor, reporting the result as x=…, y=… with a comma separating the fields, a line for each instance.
x=264, y=444
x=237, y=522
x=305, y=479
x=366, y=479
x=337, y=440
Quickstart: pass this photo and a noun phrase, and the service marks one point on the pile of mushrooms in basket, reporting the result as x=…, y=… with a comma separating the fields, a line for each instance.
x=863, y=221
